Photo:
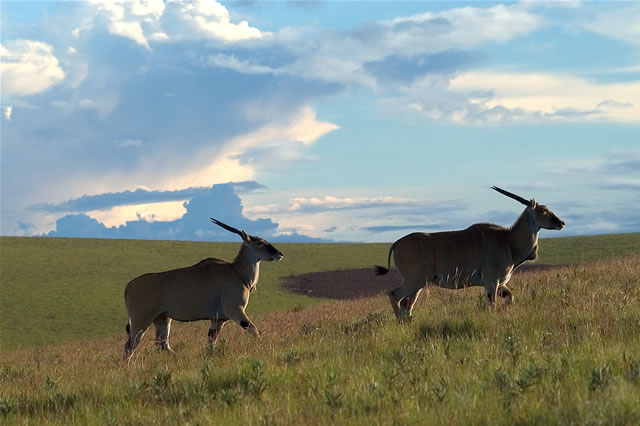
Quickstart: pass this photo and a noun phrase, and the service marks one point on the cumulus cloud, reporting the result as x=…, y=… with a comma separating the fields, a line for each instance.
x=268, y=147
x=427, y=56
x=219, y=201
x=494, y=97
x=154, y=20
x=212, y=19
x=139, y=196
x=368, y=55
x=28, y=67
x=546, y=96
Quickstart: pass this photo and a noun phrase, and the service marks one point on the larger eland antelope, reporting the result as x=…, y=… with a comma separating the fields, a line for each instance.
x=212, y=289
x=481, y=255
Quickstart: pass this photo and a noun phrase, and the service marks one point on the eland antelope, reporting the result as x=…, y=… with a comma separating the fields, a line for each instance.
x=481, y=255
x=212, y=289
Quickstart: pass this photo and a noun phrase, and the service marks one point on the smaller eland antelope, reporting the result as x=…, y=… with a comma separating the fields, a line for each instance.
x=212, y=289
x=481, y=255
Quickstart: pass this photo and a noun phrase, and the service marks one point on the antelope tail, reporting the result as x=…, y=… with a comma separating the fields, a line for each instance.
x=381, y=270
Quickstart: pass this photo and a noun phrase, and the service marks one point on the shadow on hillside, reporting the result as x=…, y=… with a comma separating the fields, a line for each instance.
x=358, y=283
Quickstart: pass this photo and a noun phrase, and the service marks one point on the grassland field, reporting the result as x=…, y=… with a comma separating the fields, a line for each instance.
x=62, y=289
x=565, y=353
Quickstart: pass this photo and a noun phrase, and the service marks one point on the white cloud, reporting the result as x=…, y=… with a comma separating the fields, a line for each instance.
x=621, y=23
x=496, y=96
x=126, y=17
x=8, y=110
x=340, y=56
x=244, y=66
x=211, y=19
x=28, y=67
x=159, y=36
x=151, y=212
x=459, y=28
x=144, y=20
x=336, y=203
x=227, y=165
x=131, y=30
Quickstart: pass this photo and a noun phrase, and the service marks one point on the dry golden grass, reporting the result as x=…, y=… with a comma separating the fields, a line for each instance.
x=566, y=352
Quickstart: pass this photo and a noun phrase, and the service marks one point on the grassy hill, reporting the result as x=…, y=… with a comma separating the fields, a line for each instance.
x=59, y=290
x=565, y=353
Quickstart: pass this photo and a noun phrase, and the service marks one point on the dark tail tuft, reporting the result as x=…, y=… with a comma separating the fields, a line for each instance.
x=128, y=328
x=381, y=270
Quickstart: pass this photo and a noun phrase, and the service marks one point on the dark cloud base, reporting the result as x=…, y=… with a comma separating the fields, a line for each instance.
x=220, y=202
x=139, y=196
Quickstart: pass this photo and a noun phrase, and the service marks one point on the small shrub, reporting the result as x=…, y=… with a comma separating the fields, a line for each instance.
x=229, y=395
x=253, y=381
x=332, y=397
x=50, y=383
x=633, y=369
x=440, y=390
x=5, y=407
x=502, y=380
x=513, y=347
x=529, y=377
x=292, y=357
x=162, y=382
x=600, y=377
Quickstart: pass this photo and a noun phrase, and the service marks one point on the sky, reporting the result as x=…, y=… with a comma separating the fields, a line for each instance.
x=348, y=121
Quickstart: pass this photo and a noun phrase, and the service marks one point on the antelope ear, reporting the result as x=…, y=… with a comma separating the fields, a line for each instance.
x=244, y=236
x=534, y=203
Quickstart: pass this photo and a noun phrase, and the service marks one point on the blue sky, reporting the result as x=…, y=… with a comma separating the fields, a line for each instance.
x=316, y=121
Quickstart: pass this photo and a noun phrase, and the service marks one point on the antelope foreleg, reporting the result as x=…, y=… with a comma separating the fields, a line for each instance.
x=241, y=318
x=409, y=302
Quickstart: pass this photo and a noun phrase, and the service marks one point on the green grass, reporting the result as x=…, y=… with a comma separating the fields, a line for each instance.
x=566, y=352
x=57, y=289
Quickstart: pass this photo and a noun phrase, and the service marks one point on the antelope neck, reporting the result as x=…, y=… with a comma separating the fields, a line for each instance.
x=524, y=237
x=247, y=266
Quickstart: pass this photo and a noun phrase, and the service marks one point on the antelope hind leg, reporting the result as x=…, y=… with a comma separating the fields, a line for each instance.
x=163, y=327
x=404, y=295
x=135, y=335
